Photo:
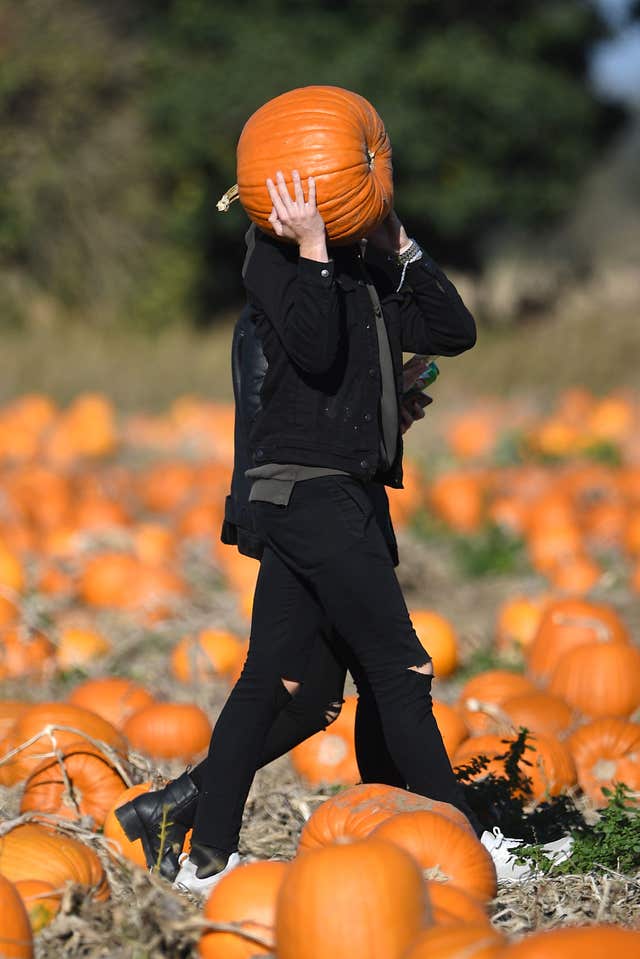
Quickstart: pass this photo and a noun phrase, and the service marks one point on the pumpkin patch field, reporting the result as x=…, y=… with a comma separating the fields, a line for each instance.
x=124, y=622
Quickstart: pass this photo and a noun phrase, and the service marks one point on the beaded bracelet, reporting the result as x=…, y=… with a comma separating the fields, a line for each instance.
x=410, y=255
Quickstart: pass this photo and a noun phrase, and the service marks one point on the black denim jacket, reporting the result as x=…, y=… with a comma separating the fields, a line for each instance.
x=321, y=391
x=248, y=367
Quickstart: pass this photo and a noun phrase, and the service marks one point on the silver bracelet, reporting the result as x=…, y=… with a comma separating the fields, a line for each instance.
x=413, y=252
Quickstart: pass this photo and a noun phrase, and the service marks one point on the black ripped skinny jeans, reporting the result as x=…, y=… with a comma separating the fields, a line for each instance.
x=325, y=559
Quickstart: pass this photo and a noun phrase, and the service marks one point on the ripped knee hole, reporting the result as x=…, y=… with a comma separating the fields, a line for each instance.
x=425, y=670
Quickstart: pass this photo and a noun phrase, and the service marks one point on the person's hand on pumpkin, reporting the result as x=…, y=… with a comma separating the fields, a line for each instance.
x=390, y=234
x=298, y=219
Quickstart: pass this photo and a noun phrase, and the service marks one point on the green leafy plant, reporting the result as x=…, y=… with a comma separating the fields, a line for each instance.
x=491, y=551
x=613, y=842
x=484, y=658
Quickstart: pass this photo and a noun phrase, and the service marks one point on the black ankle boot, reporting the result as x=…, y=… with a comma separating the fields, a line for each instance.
x=142, y=818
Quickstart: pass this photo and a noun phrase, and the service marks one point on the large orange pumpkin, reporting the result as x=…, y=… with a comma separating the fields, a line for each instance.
x=112, y=829
x=16, y=937
x=32, y=725
x=326, y=132
x=567, y=623
x=246, y=897
x=439, y=639
x=169, y=731
x=443, y=850
x=599, y=679
x=538, y=712
x=361, y=899
x=449, y=905
x=481, y=696
x=354, y=813
x=80, y=782
x=588, y=942
x=471, y=940
x=212, y=652
x=115, y=698
x=606, y=751
x=451, y=724
x=31, y=851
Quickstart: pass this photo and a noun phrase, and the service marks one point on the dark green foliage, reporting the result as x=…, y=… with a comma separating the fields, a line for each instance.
x=119, y=123
x=504, y=801
x=485, y=658
x=491, y=551
x=613, y=842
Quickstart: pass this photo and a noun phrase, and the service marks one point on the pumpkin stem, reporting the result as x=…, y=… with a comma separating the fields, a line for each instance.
x=371, y=157
x=227, y=199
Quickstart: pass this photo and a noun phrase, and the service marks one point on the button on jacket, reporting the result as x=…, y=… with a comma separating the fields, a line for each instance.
x=321, y=392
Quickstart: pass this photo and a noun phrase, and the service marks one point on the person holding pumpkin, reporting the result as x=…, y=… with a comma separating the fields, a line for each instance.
x=333, y=329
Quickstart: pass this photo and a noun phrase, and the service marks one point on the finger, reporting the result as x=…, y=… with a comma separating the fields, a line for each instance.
x=297, y=189
x=283, y=190
x=311, y=192
x=278, y=205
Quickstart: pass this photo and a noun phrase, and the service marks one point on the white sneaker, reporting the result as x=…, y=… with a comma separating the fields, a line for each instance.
x=187, y=881
x=503, y=850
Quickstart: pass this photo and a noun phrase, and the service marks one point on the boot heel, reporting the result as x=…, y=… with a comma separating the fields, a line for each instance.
x=130, y=821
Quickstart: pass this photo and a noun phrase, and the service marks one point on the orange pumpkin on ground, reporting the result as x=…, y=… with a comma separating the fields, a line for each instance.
x=439, y=639
x=329, y=756
x=457, y=499
x=539, y=712
x=567, y=623
x=26, y=653
x=599, y=679
x=247, y=896
x=16, y=936
x=326, y=132
x=443, y=850
x=548, y=763
x=576, y=575
x=450, y=905
x=473, y=434
x=605, y=752
x=41, y=901
x=153, y=544
x=451, y=724
x=587, y=942
x=33, y=724
x=469, y=940
x=166, y=487
x=518, y=621
x=355, y=812
x=213, y=652
x=87, y=786
x=169, y=731
x=312, y=921
x=481, y=697
x=79, y=646
x=31, y=851
x=112, y=829
x=115, y=698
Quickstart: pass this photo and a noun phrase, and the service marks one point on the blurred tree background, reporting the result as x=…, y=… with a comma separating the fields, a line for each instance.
x=119, y=120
